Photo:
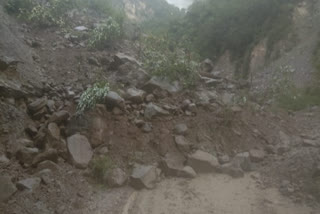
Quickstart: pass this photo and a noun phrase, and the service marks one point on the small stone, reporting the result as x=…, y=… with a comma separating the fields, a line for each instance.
x=224, y=159
x=149, y=98
x=54, y=131
x=144, y=177
x=203, y=162
x=153, y=110
x=29, y=184
x=113, y=99
x=81, y=28
x=59, y=117
x=37, y=105
x=188, y=172
x=257, y=155
x=181, y=129
x=242, y=161
x=80, y=150
x=136, y=95
x=182, y=144
x=116, y=178
x=26, y=155
x=31, y=130
x=4, y=159
x=232, y=170
x=48, y=165
x=147, y=127
x=49, y=154
x=7, y=188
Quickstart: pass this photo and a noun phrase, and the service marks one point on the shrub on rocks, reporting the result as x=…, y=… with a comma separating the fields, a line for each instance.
x=100, y=166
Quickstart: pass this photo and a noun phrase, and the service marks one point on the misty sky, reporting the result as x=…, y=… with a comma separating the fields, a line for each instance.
x=180, y=3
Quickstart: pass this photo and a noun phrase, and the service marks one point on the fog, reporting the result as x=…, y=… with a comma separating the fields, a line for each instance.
x=181, y=3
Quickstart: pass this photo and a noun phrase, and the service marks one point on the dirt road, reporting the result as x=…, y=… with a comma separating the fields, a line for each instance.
x=216, y=194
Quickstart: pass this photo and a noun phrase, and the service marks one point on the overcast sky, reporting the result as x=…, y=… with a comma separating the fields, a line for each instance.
x=180, y=3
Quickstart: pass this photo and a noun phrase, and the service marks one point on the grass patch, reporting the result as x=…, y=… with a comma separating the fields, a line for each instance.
x=100, y=166
x=299, y=99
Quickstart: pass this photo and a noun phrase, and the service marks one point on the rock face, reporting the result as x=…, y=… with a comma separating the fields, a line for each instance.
x=153, y=110
x=116, y=178
x=29, y=184
x=203, y=162
x=7, y=188
x=144, y=177
x=80, y=150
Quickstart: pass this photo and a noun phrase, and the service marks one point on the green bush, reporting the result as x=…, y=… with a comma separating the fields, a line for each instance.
x=92, y=96
x=100, y=166
x=19, y=6
x=105, y=33
x=164, y=59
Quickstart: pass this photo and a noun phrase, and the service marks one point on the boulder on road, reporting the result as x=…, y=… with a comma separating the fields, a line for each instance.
x=203, y=162
x=80, y=150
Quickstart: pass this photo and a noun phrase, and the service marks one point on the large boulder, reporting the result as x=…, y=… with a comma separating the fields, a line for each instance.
x=29, y=184
x=257, y=155
x=113, y=99
x=7, y=188
x=153, y=110
x=80, y=150
x=144, y=177
x=203, y=162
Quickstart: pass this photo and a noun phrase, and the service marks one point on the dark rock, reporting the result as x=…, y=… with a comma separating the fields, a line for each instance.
x=93, y=61
x=31, y=130
x=50, y=154
x=224, y=159
x=80, y=150
x=48, y=165
x=153, y=110
x=149, y=98
x=144, y=177
x=7, y=188
x=29, y=184
x=59, y=117
x=116, y=178
x=113, y=99
x=121, y=58
x=203, y=162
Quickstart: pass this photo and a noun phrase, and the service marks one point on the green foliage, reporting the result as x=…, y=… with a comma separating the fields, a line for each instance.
x=92, y=96
x=288, y=96
x=18, y=6
x=100, y=166
x=164, y=59
x=105, y=33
